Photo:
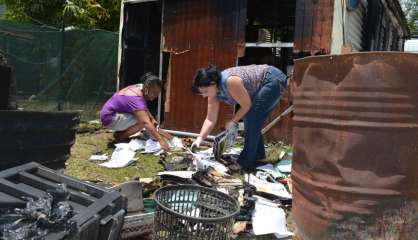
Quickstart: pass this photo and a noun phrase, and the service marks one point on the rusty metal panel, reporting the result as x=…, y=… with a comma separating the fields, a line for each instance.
x=188, y=24
x=313, y=26
x=355, y=138
x=196, y=33
x=188, y=110
x=282, y=131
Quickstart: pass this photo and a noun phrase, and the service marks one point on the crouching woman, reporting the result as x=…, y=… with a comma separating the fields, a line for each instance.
x=126, y=112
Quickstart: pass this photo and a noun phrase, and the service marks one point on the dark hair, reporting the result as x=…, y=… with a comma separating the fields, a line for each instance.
x=206, y=77
x=149, y=79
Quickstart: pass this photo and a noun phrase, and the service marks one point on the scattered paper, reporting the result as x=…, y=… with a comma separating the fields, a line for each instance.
x=124, y=153
x=137, y=144
x=101, y=157
x=268, y=218
x=176, y=143
x=233, y=151
x=284, y=166
x=202, y=164
x=152, y=146
x=277, y=189
x=205, y=154
x=269, y=168
x=122, y=156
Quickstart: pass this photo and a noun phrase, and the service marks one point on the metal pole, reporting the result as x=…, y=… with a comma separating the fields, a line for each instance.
x=187, y=134
x=61, y=91
x=160, y=71
x=120, y=49
x=277, y=119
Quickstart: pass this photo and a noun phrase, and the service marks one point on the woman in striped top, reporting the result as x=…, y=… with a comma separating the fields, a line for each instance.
x=257, y=90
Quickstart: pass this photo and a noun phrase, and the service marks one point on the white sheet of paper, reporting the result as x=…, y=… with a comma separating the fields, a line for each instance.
x=268, y=218
x=206, y=153
x=152, y=146
x=284, y=166
x=176, y=143
x=102, y=157
x=269, y=168
x=277, y=189
x=122, y=156
x=137, y=144
x=233, y=151
x=202, y=164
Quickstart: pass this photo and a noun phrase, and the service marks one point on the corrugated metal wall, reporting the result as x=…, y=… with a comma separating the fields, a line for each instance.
x=313, y=26
x=354, y=26
x=196, y=33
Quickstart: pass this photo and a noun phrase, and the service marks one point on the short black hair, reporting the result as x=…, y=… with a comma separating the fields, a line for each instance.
x=206, y=77
x=149, y=79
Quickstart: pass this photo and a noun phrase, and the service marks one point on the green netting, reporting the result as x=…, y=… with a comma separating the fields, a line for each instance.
x=54, y=70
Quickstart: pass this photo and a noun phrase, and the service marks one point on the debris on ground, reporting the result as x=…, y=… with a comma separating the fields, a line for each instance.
x=50, y=213
x=269, y=182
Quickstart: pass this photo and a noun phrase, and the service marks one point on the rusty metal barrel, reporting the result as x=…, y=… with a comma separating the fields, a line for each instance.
x=355, y=137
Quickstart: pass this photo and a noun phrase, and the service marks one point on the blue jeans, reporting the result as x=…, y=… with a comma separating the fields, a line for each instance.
x=263, y=102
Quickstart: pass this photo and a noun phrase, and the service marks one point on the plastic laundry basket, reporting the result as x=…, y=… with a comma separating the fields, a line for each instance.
x=193, y=212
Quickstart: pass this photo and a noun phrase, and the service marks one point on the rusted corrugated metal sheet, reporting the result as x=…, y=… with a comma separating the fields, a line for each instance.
x=355, y=165
x=282, y=131
x=313, y=26
x=43, y=137
x=196, y=33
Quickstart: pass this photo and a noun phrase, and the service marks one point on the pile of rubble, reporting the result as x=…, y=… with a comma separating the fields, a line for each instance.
x=263, y=194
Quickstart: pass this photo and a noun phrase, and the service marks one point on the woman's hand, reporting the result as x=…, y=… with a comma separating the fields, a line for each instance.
x=196, y=144
x=164, y=145
x=165, y=134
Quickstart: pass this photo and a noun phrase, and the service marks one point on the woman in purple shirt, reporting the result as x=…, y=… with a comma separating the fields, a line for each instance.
x=257, y=90
x=126, y=112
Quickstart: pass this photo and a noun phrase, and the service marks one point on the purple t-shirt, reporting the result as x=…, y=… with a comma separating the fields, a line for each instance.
x=121, y=104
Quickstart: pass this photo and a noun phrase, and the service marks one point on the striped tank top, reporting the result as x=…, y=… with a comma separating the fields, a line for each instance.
x=252, y=77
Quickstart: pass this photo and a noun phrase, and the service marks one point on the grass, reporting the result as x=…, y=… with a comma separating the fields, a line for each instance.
x=88, y=143
x=91, y=139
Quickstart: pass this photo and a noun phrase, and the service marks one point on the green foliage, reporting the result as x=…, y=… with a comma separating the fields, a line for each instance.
x=410, y=8
x=101, y=14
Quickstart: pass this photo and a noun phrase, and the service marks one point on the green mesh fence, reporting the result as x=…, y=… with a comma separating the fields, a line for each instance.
x=55, y=70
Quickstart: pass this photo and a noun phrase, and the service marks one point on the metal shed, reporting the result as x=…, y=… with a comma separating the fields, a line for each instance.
x=175, y=38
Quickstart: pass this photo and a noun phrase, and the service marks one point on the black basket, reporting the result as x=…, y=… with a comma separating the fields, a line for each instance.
x=193, y=212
